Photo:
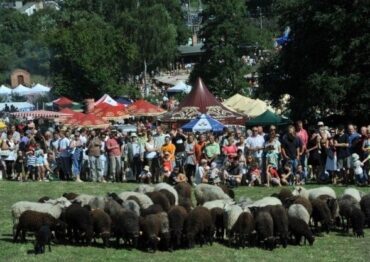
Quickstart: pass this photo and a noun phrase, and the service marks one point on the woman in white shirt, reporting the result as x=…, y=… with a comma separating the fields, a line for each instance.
x=151, y=157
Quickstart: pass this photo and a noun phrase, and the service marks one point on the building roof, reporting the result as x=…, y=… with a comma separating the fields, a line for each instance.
x=190, y=49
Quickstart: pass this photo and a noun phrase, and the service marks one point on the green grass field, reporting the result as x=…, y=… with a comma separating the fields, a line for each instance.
x=332, y=247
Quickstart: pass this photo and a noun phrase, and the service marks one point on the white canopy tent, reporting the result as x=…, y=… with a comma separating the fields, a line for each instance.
x=39, y=88
x=4, y=91
x=22, y=90
x=180, y=87
x=107, y=100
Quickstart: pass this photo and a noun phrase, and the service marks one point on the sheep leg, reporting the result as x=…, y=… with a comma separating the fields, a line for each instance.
x=15, y=236
x=23, y=235
x=49, y=246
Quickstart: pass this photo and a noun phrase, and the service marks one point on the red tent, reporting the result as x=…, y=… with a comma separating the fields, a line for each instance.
x=63, y=102
x=201, y=101
x=86, y=120
x=144, y=108
x=108, y=112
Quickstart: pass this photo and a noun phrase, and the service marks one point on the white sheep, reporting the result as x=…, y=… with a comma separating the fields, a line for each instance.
x=144, y=188
x=53, y=207
x=98, y=202
x=299, y=211
x=84, y=199
x=231, y=214
x=220, y=203
x=355, y=193
x=169, y=188
x=144, y=200
x=205, y=192
x=314, y=193
x=266, y=201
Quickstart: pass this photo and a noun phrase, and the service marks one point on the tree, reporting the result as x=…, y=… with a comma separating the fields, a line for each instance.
x=87, y=56
x=325, y=66
x=225, y=30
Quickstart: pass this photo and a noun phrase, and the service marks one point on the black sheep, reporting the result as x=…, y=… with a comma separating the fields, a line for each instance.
x=217, y=215
x=102, y=225
x=243, y=229
x=169, y=195
x=153, y=209
x=199, y=225
x=265, y=229
x=183, y=190
x=358, y=222
x=284, y=194
x=126, y=226
x=80, y=223
x=332, y=204
x=177, y=216
x=32, y=221
x=43, y=238
x=365, y=207
x=160, y=199
x=43, y=199
x=151, y=228
x=280, y=218
x=70, y=196
x=299, y=228
x=346, y=205
x=321, y=213
x=186, y=203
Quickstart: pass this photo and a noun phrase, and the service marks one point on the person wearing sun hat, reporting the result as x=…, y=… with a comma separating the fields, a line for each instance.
x=135, y=155
x=145, y=175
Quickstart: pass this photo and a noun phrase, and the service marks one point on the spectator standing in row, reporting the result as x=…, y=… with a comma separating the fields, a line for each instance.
x=114, y=154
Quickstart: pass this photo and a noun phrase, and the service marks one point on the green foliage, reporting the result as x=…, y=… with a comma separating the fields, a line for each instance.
x=226, y=30
x=325, y=67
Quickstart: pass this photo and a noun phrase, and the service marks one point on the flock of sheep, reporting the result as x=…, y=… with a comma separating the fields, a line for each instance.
x=163, y=217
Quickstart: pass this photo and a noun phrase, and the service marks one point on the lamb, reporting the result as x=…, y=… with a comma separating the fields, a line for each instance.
x=79, y=223
x=32, y=221
x=169, y=188
x=243, y=228
x=126, y=226
x=199, y=225
x=205, y=192
x=266, y=201
x=55, y=209
x=321, y=213
x=144, y=200
x=217, y=215
x=314, y=193
x=231, y=215
x=160, y=199
x=144, y=188
x=299, y=228
x=365, y=207
x=227, y=190
x=43, y=238
x=299, y=200
x=264, y=225
x=177, y=216
x=353, y=192
x=70, y=196
x=300, y=212
x=101, y=224
x=153, y=209
x=169, y=196
x=220, y=203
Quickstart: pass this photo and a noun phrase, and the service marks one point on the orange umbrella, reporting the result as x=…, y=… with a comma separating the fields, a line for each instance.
x=144, y=108
x=87, y=120
x=109, y=112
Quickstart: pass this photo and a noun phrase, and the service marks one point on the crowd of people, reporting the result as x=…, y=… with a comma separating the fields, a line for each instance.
x=270, y=157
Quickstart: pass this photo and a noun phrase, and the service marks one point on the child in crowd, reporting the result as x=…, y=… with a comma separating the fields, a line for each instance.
x=272, y=176
x=201, y=172
x=255, y=175
x=145, y=176
x=361, y=177
x=39, y=153
x=286, y=175
x=167, y=163
x=31, y=165
x=19, y=166
x=300, y=176
x=213, y=177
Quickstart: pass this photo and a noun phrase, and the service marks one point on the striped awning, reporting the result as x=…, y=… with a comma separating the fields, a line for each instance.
x=41, y=114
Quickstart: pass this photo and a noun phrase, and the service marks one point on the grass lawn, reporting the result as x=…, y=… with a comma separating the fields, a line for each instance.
x=332, y=247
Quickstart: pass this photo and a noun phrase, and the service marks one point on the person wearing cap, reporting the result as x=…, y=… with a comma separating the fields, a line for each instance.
x=321, y=127
x=145, y=175
x=135, y=155
x=114, y=154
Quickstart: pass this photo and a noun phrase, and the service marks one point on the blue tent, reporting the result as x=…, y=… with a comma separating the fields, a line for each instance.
x=123, y=100
x=204, y=123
